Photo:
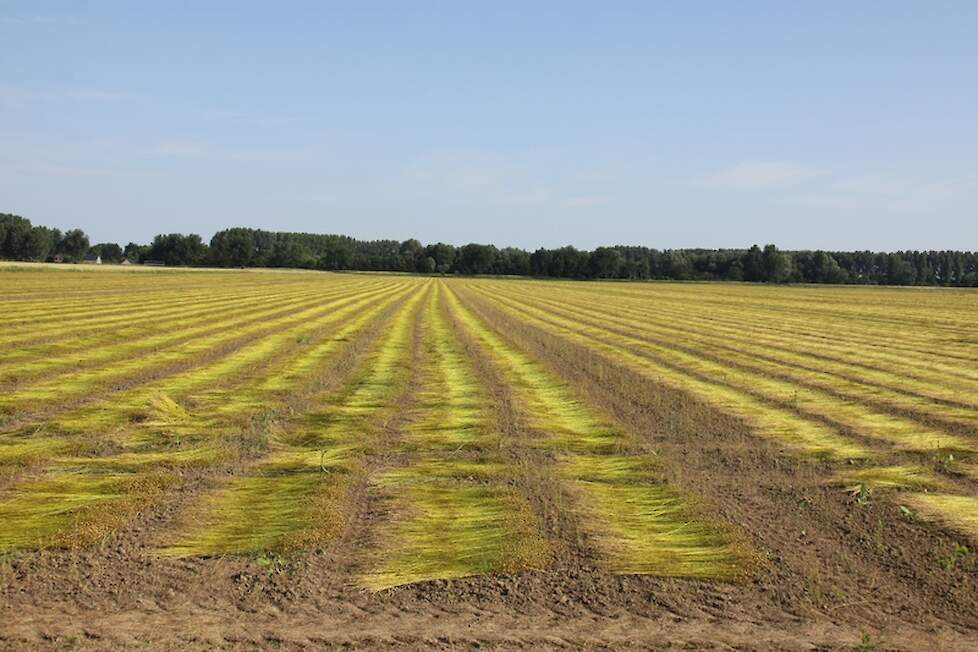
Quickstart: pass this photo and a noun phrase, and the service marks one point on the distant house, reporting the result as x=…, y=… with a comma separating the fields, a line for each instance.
x=154, y=263
x=93, y=259
x=126, y=261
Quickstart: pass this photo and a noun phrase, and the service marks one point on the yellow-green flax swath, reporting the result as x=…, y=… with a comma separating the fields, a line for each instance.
x=640, y=524
x=293, y=497
x=454, y=515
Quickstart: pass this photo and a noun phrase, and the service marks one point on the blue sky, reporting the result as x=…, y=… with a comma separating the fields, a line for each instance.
x=812, y=125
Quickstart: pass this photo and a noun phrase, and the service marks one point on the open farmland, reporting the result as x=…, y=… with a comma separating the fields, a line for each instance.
x=260, y=459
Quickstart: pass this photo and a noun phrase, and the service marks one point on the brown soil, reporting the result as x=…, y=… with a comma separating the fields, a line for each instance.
x=836, y=575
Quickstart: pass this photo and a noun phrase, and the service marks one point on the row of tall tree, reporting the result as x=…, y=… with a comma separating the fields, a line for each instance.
x=243, y=247
x=21, y=240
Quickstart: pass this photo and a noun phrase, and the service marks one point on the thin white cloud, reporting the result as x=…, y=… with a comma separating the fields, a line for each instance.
x=900, y=186
x=882, y=194
x=97, y=95
x=265, y=155
x=35, y=19
x=16, y=94
x=923, y=196
x=74, y=171
x=178, y=149
x=752, y=174
x=187, y=149
x=470, y=177
x=54, y=169
x=226, y=115
x=11, y=94
x=482, y=179
x=587, y=201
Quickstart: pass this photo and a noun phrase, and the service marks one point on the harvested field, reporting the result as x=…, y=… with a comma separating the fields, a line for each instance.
x=259, y=459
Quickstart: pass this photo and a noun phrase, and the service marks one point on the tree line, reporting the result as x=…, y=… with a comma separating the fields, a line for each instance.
x=244, y=247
